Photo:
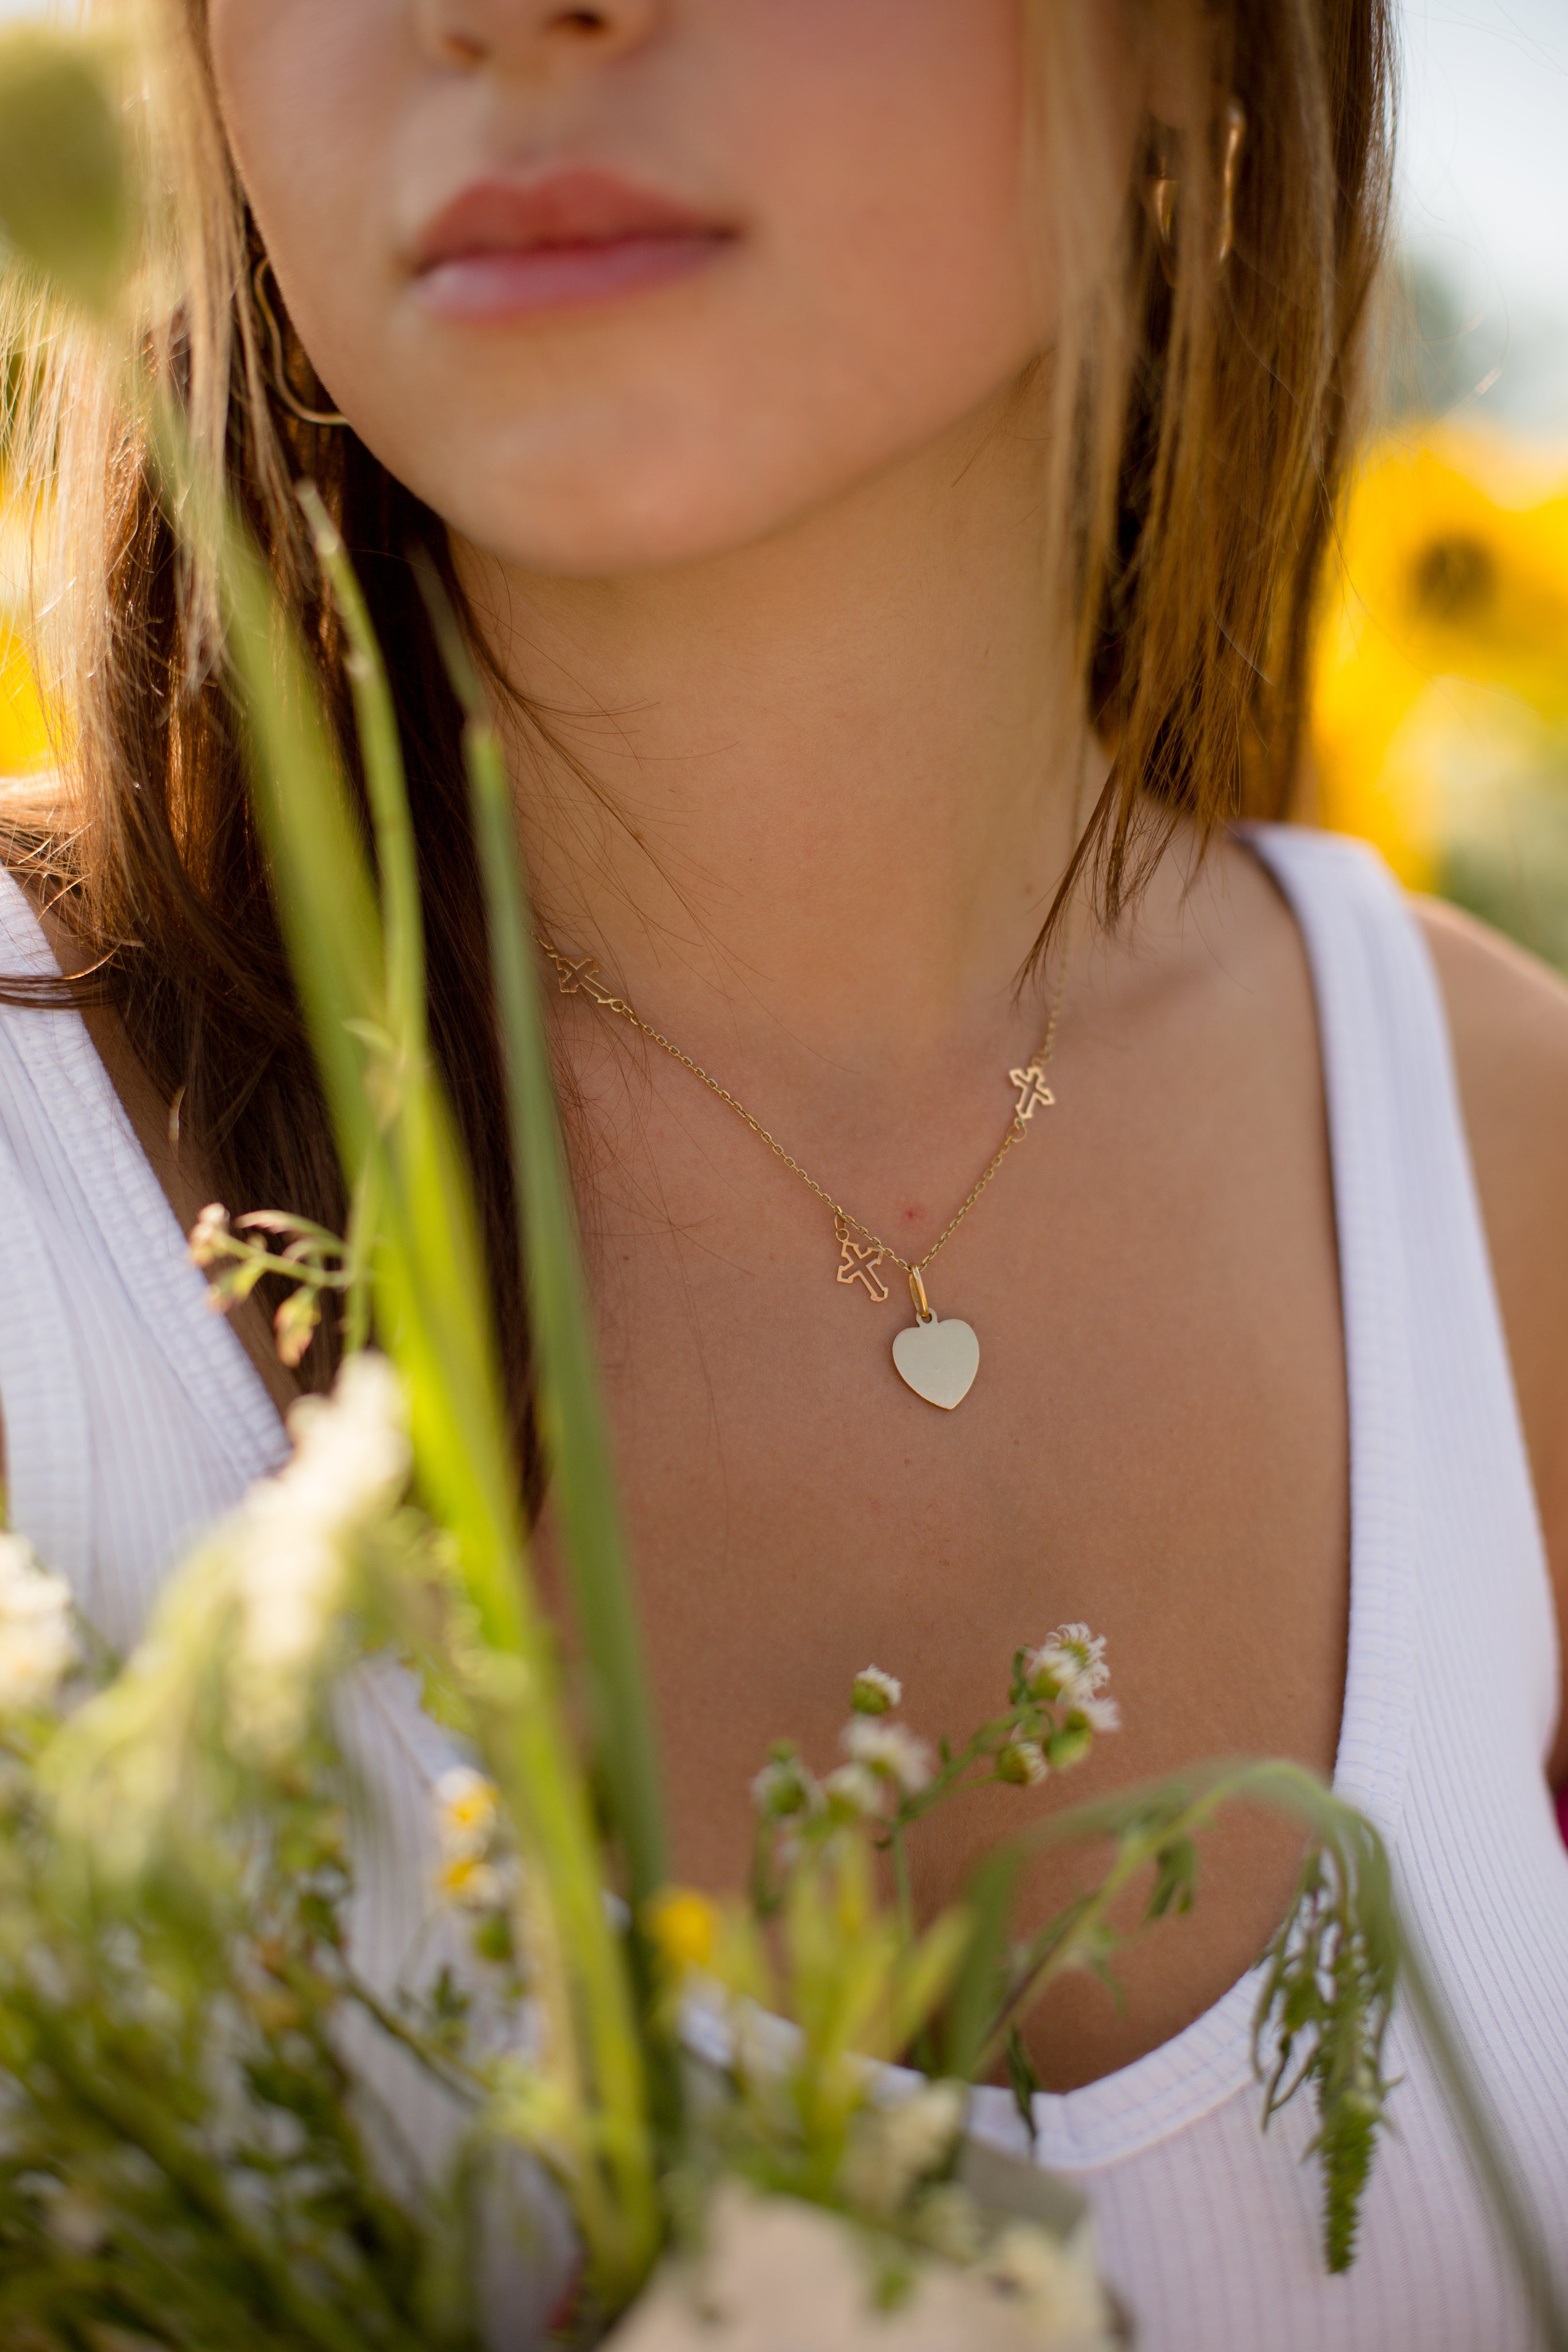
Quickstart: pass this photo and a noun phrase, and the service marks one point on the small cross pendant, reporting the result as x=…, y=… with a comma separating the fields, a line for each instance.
x=1032, y=1091
x=859, y=1263
x=577, y=978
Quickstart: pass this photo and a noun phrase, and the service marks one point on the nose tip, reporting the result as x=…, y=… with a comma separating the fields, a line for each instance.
x=471, y=33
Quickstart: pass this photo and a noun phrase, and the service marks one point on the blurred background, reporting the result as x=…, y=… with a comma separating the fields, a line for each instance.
x=1440, y=722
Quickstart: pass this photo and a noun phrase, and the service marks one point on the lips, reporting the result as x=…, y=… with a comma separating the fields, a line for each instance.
x=511, y=249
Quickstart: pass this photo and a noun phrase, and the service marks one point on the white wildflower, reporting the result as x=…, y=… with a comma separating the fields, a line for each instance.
x=38, y=1644
x=875, y=1692
x=1070, y=1666
x=295, y=1538
x=950, y=2223
x=1056, y=2286
x=1022, y=1763
x=466, y=1806
x=891, y=1749
x=855, y=1789
x=920, y=2130
x=897, y=2145
x=1101, y=1715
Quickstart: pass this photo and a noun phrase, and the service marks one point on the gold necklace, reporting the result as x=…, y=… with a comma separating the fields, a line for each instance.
x=937, y=1360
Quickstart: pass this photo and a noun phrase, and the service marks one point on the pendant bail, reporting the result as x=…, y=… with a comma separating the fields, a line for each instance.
x=923, y=1310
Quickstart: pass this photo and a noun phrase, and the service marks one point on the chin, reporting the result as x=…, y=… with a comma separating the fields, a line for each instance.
x=601, y=522
x=588, y=505
x=676, y=461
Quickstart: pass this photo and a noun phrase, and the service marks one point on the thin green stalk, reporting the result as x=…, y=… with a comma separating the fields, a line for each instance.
x=430, y=1297
x=386, y=785
x=1469, y=2108
x=358, y=1257
x=903, y=1895
x=1285, y=1785
x=577, y=1432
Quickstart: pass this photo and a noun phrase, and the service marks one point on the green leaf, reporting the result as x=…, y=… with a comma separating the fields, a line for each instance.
x=1022, y=2081
x=574, y=1423
x=988, y=1896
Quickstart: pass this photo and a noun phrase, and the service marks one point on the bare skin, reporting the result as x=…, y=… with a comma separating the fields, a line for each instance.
x=1157, y=1440
x=809, y=650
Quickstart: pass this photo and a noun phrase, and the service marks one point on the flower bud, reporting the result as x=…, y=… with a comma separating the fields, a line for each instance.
x=875, y=1692
x=784, y=1787
x=294, y=1325
x=683, y=1927
x=854, y=1791
x=1022, y=1763
x=210, y=1236
x=1071, y=1744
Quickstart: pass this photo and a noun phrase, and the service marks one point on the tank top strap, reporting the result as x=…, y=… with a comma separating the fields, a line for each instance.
x=1435, y=1422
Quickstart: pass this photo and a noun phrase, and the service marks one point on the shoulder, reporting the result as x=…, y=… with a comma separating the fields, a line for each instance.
x=1508, y=1018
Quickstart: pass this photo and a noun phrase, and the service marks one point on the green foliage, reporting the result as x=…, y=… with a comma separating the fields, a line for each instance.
x=183, y=2154
x=1330, y=1987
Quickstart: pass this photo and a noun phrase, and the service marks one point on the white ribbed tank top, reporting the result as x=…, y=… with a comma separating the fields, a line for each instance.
x=133, y=1415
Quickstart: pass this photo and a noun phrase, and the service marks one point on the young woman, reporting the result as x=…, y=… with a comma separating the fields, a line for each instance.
x=885, y=451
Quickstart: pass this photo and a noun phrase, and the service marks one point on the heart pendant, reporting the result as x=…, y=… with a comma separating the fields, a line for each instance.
x=938, y=1360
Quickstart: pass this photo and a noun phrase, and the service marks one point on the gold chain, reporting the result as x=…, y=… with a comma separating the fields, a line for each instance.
x=579, y=977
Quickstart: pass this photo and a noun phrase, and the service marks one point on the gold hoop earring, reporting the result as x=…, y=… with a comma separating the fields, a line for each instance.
x=1161, y=190
x=1229, y=170
x=280, y=382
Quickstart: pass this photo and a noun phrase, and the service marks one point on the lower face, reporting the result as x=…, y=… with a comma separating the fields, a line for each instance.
x=629, y=286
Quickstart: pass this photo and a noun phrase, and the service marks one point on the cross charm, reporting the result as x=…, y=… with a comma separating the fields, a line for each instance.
x=859, y=1263
x=1032, y=1091
x=577, y=977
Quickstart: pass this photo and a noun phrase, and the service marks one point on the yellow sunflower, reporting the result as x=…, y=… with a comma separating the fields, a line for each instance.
x=1447, y=621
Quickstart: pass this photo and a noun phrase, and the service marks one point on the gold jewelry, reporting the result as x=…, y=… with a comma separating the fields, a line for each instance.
x=280, y=384
x=1162, y=187
x=937, y=1360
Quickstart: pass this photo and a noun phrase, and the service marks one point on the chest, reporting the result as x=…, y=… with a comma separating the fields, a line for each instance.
x=1155, y=1444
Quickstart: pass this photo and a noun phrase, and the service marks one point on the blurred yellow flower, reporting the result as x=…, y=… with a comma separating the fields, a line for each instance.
x=467, y=1806
x=683, y=1927
x=471, y=1884
x=1455, y=567
x=24, y=732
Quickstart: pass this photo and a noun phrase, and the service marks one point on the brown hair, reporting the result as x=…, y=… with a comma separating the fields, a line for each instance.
x=1205, y=427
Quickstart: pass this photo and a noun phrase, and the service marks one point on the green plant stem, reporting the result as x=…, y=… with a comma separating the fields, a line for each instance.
x=901, y=1887
x=577, y=1430
x=359, y=1253
x=1058, y=1947
x=386, y=786
x=430, y=1293
x=1469, y=2108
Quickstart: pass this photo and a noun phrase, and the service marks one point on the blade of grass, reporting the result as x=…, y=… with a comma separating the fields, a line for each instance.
x=432, y=1316
x=385, y=782
x=989, y=1898
x=1498, y=2179
x=576, y=1431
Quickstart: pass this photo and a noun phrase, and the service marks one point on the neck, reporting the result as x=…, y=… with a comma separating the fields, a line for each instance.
x=828, y=781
